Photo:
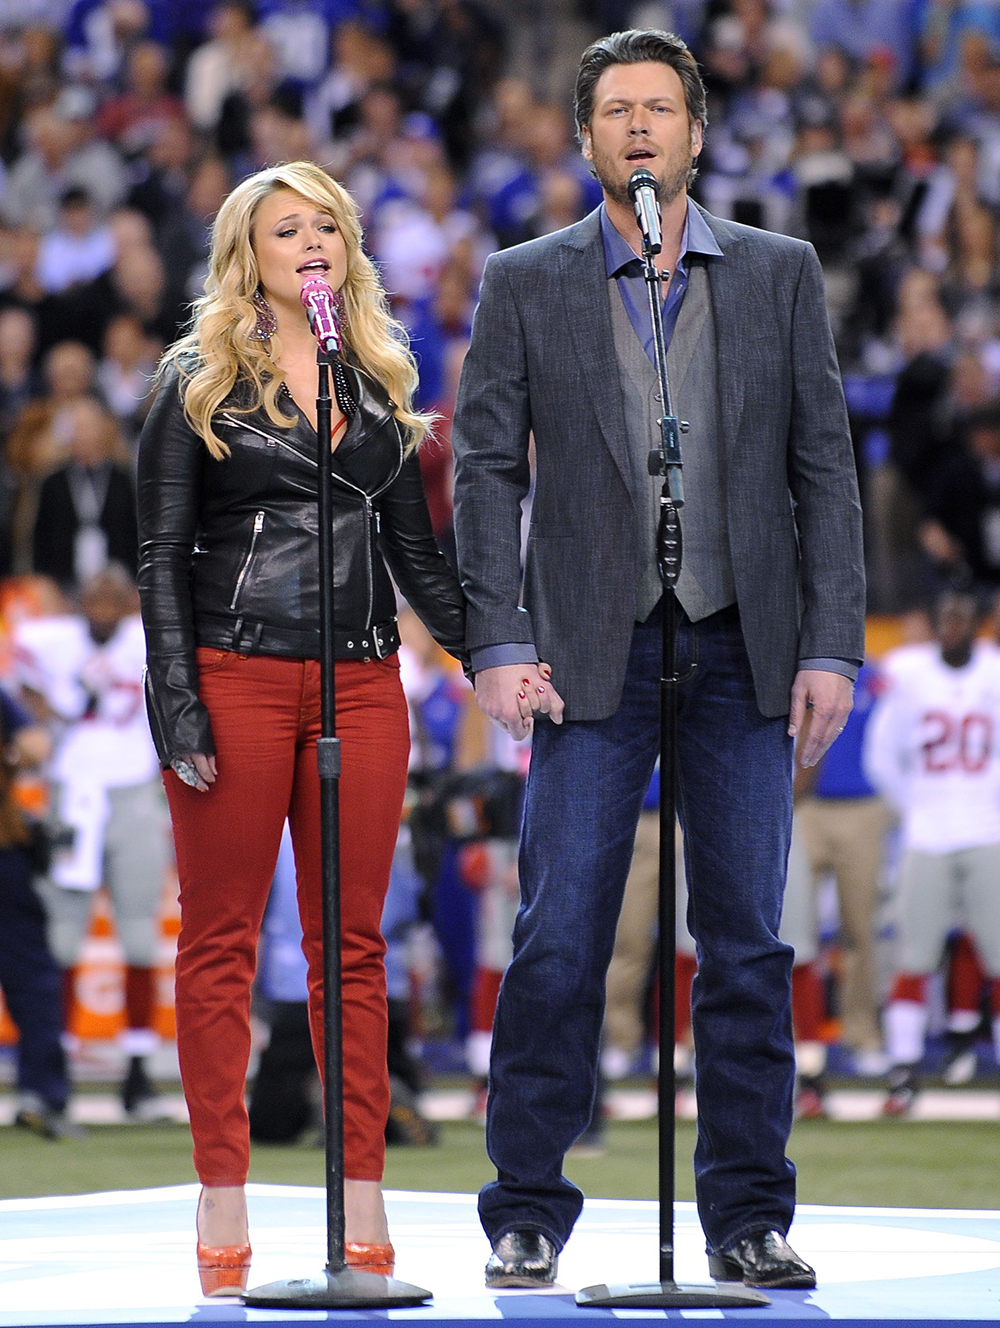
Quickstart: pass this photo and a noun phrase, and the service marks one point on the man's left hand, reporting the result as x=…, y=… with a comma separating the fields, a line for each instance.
x=830, y=697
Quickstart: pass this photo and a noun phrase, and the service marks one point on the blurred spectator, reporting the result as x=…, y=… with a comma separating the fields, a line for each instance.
x=213, y=71
x=401, y=917
x=19, y=284
x=824, y=176
x=498, y=175
x=842, y=825
x=275, y=132
x=99, y=34
x=359, y=61
x=800, y=929
x=137, y=284
x=285, y=1098
x=633, y=961
x=258, y=84
x=961, y=532
x=918, y=434
x=29, y=976
x=36, y=445
x=879, y=256
x=68, y=370
x=560, y=202
x=18, y=380
x=550, y=148
x=30, y=77
x=439, y=332
x=415, y=239
x=368, y=152
x=299, y=31
x=945, y=29
x=135, y=119
x=439, y=700
x=450, y=54
x=131, y=228
x=161, y=175
x=980, y=116
x=78, y=248
x=183, y=239
x=125, y=374
x=866, y=28
x=535, y=141
x=86, y=508
x=62, y=152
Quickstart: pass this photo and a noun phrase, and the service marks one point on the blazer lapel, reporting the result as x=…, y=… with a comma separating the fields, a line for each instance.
x=588, y=317
x=737, y=299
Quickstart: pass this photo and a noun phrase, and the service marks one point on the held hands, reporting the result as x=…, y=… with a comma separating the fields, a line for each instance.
x=511, y=694
x=196, y=770
x=829, y=696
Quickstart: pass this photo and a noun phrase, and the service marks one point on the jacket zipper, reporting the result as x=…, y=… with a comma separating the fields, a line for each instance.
x=155, y=717
x=370, y=514
x=258, y=526
x=368, y=564
x=279, y=442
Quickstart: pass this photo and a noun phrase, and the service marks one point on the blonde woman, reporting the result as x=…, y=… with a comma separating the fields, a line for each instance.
x=228, y=578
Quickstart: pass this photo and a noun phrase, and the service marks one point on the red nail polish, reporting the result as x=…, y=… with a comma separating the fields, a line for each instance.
x=521, y=695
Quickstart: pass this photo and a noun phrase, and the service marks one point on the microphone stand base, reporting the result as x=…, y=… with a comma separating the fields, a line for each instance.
x=342, y=1290
x=671, y=1295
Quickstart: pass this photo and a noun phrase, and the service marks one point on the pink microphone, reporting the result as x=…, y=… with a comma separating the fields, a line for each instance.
x=319, y=300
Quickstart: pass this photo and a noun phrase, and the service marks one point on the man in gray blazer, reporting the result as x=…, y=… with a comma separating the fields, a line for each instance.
x=771, y=614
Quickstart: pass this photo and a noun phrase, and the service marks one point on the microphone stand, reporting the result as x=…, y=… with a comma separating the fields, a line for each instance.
x=665, y=460
x=337, y=1287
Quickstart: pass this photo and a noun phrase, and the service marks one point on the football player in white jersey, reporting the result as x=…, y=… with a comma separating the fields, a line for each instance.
x=83, y=673
x=933, y=751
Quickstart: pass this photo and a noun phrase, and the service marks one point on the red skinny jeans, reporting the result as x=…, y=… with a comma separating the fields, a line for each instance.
x=265, y=713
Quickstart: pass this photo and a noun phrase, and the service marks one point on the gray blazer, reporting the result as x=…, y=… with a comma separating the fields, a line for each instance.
x=542, y=362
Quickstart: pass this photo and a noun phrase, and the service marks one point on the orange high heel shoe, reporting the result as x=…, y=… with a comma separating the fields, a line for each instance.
x=367, y=1258
x=223, y=1269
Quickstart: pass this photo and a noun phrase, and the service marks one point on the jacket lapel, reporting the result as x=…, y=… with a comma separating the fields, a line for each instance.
x=736, y=300
x=588, y=317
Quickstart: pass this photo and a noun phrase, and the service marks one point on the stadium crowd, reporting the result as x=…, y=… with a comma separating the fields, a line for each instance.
x=869, y=127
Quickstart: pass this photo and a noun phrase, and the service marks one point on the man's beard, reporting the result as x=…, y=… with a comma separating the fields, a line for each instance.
x=617, y=189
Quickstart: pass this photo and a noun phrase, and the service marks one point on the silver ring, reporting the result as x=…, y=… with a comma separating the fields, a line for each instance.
x=185, y=772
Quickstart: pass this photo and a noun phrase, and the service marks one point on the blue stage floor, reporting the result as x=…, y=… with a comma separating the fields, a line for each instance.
x=128, y=1258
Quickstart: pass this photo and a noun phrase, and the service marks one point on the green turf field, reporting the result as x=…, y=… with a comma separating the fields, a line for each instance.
x=893, y=1163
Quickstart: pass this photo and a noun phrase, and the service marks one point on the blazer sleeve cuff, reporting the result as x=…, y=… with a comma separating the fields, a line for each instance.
x=847, y=668
x=513, y=652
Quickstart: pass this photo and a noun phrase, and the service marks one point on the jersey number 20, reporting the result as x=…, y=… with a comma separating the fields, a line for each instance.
x=954, y=743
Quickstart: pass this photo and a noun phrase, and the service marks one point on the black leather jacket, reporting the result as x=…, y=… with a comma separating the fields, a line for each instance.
x=228, y=550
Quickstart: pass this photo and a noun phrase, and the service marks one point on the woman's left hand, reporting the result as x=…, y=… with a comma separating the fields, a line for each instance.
x=196, y=770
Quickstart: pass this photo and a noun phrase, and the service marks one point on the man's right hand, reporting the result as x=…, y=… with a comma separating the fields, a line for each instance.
x=511, y=694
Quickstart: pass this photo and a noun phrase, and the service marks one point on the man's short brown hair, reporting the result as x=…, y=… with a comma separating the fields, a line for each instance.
x=633, y=47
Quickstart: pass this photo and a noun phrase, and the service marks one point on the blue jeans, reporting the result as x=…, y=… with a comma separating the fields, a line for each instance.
x=584, y=793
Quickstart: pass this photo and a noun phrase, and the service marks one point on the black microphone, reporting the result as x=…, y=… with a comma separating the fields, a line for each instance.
x=644, y=191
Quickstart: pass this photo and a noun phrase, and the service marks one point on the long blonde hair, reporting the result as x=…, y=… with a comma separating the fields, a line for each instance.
x=219, y=348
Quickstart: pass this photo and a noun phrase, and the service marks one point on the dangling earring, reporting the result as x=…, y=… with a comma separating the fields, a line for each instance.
x=267, y=324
